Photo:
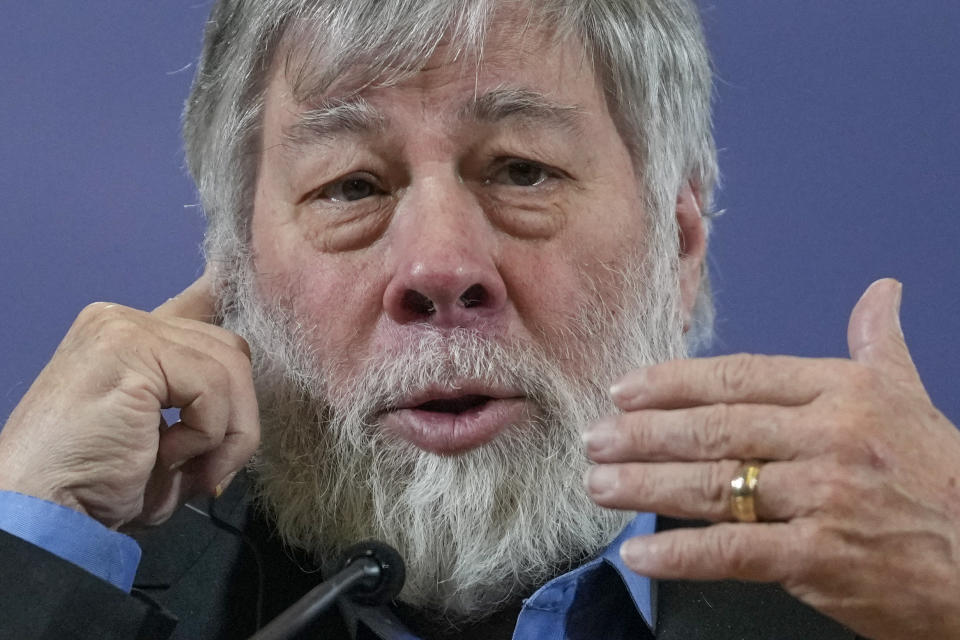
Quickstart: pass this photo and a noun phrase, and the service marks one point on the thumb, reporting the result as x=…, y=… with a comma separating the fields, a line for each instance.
x=196, y=302
x=874, y=335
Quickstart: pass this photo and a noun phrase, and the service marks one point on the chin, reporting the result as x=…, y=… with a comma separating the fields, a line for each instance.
x=477, y=530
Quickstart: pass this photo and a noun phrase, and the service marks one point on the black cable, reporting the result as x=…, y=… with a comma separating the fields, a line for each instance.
x=229, y=528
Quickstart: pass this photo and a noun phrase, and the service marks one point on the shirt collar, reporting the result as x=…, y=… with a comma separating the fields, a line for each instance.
x=555, y=596
x=558, y=593
x=640, y=587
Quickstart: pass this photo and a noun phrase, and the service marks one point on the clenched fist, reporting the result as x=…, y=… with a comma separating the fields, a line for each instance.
x=89, y=434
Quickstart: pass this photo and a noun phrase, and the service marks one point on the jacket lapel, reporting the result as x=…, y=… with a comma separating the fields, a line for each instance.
x=171, y=550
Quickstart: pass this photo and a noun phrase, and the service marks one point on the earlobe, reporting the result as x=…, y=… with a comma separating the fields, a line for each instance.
x=693, y=248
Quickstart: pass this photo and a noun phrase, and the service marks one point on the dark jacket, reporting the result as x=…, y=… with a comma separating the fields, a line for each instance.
x=211, y=579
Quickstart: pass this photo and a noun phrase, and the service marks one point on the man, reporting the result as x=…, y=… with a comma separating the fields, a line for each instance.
x=443, y=229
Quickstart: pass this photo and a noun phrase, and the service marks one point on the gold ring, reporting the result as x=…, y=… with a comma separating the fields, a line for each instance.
x=743, y=488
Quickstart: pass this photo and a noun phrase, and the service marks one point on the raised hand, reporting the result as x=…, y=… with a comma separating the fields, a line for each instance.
x=858, y=496
x=89, y=433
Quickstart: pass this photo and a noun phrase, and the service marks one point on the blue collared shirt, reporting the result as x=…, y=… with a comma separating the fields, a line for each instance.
x=585, y=603
x=553, y=611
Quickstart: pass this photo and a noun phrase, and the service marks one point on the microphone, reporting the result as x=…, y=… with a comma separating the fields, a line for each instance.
x=371, y=573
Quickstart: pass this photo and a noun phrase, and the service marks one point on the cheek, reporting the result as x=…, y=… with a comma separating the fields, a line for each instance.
x=546, y=288
x=337, y=299
x=340, y=303
x=554, y=290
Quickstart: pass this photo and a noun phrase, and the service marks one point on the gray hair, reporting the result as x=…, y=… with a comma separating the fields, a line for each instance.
x=649, y=55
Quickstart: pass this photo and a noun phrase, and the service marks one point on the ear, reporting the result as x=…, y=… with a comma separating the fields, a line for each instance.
x=693, y=248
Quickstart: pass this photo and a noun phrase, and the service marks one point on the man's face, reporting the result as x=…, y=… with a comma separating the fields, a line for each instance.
x=446, y=275
x=497, y=198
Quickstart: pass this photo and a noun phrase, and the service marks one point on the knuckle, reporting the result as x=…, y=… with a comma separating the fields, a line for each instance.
x=207, y=432
x=724, y=550
x=733, y=554
x=249, y=441
x=219, y=379
x=639, y=437
x=111, y=330
x=92, y=310
x=839, y=492
x=812, y=543
x=242, y=345
x=852, y=432
x=210, y=437
x=831, y=481
x=633, y=480
x=714, y=482
x=713, y=437
x=676, y=556
x=857, y=445
x=734, y=372
x=235, y=340
x=829, y=495
x=120, y=331
x=97, y=314
x=241, y=365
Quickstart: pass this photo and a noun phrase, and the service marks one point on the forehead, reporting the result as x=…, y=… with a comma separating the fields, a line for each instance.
x=513, y=53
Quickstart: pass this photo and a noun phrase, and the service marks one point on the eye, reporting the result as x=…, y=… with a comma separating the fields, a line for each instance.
x=350, y=189
x=521, y=173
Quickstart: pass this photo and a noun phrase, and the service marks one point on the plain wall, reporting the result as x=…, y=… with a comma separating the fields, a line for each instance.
x=838, y=124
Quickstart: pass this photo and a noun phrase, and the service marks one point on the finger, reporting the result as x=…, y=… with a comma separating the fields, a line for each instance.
x=213, y=471
x=199, y=385
x=166, y=490
x=225, y=336
x=713, y=432
x=238, y=440
x=874, y=334
x=766, y=552
x=196, y=302
x=188, y=343
x=696, y=490
x=741, y=378
x=227, y=348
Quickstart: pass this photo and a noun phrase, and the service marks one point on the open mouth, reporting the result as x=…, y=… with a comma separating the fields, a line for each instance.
x=461, y=404
x=453, y=421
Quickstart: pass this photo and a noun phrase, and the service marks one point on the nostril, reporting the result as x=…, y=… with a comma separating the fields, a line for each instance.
x=418, y=303
x=475, y=296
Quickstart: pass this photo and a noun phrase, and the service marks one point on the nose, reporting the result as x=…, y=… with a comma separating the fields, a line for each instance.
x=444, y=260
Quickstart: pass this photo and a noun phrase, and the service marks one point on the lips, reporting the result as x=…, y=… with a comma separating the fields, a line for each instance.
x=454, y=420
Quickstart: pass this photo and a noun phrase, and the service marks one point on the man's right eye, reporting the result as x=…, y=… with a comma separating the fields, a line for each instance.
x=351, y=189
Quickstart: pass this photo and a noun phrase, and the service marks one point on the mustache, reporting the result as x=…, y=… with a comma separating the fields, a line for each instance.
x=446, y=362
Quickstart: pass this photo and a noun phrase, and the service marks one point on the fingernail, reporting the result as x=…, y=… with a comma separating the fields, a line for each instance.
x=600, y=436
x=636, y=552
x=629, y=387
x=224, y=484
x=601, y=480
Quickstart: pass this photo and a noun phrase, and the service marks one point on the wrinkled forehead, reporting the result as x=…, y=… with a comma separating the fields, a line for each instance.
x=345, y=47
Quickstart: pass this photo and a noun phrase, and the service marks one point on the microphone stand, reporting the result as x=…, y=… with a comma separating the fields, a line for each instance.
x=372, y=573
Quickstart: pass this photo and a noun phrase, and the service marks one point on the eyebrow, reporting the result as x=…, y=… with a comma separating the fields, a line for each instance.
x=527, y=106
x=354, y=115
x=332, y=117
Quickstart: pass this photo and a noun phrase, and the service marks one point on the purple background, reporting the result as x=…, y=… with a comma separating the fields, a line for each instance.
x=838, y=123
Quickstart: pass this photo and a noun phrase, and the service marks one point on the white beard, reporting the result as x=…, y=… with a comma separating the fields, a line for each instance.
x=476, y=530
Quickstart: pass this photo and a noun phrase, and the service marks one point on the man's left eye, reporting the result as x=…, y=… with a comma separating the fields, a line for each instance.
x=521, y=173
